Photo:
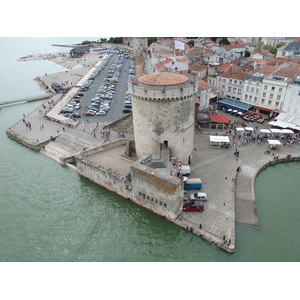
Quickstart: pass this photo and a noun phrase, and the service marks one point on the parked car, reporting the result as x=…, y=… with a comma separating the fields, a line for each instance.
x=90, y=113
x=77, y=106
x=126, y=111
x=76, y=115
x=189, y=206
x=83, y=89
x=73, y=103
x=101, y=113
x=67, y=110
x=198, y=196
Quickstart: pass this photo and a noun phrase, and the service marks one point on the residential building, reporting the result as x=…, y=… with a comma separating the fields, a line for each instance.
x=291, y=103
x=252, y=88
x=230, y=85
x=204, y=94
x=273, y=41
x=174, y=64
x=290, y=50
x=198, y=69
x=275, y=86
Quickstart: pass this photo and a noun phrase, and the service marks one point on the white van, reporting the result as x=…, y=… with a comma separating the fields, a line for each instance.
x=198, y=196
x=185, y=170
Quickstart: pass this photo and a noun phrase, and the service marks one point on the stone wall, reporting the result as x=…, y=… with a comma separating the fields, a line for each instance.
x=161, y=194
x=106, y=178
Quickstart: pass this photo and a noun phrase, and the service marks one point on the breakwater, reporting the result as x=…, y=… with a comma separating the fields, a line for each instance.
x=27, y=99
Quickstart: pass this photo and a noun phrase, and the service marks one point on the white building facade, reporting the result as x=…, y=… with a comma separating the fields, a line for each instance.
x=291, y=103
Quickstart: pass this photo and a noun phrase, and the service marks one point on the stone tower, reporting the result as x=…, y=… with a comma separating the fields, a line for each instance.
x=140, y=45
x=163, y=107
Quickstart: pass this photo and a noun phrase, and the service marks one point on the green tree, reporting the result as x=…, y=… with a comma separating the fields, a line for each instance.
x=85, y=42
x=224, y=41
x=271, y=49
x=115, y=40
x=280, y=45
x=151, y=40
x=247, y=53
x=191, y=43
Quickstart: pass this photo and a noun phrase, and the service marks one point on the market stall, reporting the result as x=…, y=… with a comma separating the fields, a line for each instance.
x=287, y=131
x=240, y=129
x=274, y=144
x=219, y=141
x=265, y=131
x=274, y=130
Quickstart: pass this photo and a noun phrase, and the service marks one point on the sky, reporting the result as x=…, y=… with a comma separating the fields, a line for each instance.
x=121, y=18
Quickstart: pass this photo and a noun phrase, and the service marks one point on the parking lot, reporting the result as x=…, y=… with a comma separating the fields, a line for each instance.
x=104, y=97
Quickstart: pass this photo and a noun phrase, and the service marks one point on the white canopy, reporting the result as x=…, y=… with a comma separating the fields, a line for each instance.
x=274, y=142
x=219, y=138
x=265, y=130
x=287, y=131
x=249, y=128
x=240, y=129
x=274, y=130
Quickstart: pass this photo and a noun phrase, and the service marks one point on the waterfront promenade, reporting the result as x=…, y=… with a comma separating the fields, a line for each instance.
x=230, y=194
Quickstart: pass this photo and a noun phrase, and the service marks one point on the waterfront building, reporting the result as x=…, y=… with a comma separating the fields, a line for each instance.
x=292, y=99
x=230, y=85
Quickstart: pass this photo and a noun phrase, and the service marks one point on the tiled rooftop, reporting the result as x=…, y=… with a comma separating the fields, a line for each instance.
x=162, y=79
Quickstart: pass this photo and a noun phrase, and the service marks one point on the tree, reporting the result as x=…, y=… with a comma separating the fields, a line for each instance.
x=271, y=49
x=85, y=42
x=247, y=53
x=191, y=43
x=115, y=40
x=224, y=41
x=151, y=40
x=280, y=45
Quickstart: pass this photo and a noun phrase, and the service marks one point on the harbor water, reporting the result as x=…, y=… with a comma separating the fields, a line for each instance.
x=49, y=213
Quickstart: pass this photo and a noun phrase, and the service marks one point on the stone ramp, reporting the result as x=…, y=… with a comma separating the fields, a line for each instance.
x=245, y=205
x=65, y=145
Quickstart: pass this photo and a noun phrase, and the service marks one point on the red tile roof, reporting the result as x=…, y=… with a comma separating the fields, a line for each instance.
x=236, y=75
x=229, y=47
x=219, y=119
x=163, y=79
x=202, y=85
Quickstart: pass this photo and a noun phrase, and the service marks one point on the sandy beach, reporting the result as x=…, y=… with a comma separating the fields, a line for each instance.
x=64, y=59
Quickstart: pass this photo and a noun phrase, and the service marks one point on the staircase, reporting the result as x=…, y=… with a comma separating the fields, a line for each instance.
x=65, y=145
x=157, y=164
